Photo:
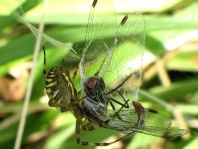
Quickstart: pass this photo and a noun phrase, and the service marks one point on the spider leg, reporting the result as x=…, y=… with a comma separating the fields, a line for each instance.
x=44, y=62
x=86, y=125
x=74, y=74
x=79, y=141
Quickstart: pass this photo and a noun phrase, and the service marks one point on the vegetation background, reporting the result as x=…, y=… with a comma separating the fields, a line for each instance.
x=170, y=77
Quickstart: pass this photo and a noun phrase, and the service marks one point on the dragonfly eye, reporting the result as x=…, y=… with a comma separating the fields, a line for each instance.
x=94, y=83
x=90, y=83
x=101, y=84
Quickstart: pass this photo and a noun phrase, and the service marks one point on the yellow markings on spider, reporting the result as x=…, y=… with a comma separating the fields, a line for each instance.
x=70, y=84
x=49, y=90
x=52, y=72
x=49, y=80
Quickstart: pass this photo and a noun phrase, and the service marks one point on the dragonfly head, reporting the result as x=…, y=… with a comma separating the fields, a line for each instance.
x=94, y=83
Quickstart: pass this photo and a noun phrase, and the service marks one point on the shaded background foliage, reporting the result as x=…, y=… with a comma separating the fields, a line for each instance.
x=169, y=72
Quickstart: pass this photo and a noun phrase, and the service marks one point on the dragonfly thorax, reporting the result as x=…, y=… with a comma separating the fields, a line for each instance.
x=93, y=88
x=95, y=105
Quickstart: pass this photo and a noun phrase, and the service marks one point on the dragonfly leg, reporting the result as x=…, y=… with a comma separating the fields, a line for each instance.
x=117, y=113
x=113, y=107
x=125, y=101
x=116, y=101
x=122, y=106
x=120, y=85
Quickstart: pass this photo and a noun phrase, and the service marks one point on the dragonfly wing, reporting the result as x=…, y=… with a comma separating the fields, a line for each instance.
x=127, y=56
x=170, y=133
x=98, y=40
x=156, y=124
x=113, y=49
x=123, y=74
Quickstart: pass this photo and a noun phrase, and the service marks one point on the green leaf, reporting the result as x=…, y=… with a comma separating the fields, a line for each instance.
x=10, y=19
x=184, y=61
x=137, y=141
x=192, y=144
x=177, y=89
x=58, y=138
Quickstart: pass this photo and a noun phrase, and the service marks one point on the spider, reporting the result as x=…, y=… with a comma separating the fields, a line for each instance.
x=106, y=105
x=62, y=94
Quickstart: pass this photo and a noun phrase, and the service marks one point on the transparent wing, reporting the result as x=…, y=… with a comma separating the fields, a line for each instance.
x=155, y=123
x=113, y=49
x=126, y=63
x=101, y=25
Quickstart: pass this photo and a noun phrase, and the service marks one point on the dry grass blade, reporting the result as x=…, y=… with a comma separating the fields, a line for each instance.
x=30, y=84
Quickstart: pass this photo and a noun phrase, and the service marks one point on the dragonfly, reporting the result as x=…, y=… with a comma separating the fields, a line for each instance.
x=109, y=72
x=106, y=76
